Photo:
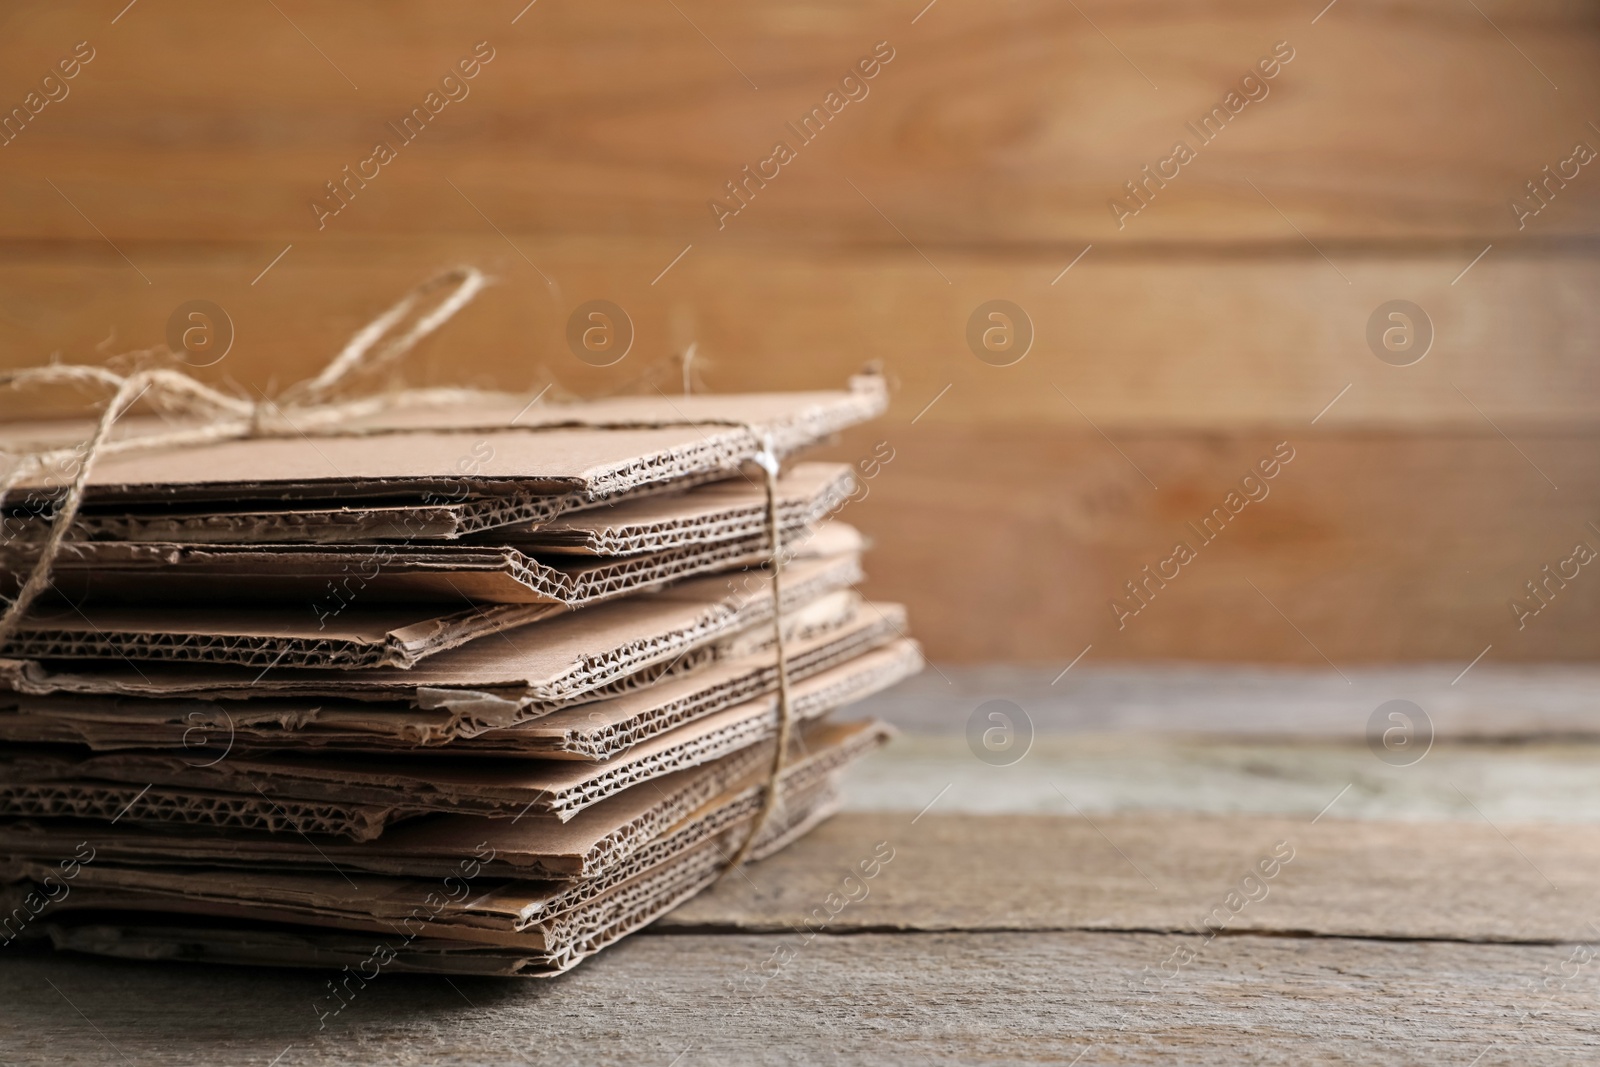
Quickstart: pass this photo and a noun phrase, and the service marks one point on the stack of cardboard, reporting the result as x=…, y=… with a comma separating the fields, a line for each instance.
x=426, y=696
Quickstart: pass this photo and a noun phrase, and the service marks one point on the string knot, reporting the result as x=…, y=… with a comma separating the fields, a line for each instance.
x=220, y=417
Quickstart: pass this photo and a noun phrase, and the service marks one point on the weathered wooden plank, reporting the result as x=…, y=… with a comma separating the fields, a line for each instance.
x=1141, y=772
x=868, y=999
x=1170, y=872
x=1390, y=121
x=1135, y=340
x=1249, y=703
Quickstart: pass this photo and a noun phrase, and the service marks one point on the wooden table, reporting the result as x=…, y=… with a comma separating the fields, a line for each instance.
x=1111, y=898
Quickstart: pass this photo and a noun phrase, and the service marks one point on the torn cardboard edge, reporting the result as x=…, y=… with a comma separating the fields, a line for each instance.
x=501, y=587
x=726, y=510
x=482, y=903
x=326, y=582
x=823, y=634
x=704, y=507
x=559, y=658
x=212, y=726
x=268, y=637
x=256, y=944
x=390, y=790
x=665, y=539
x=595, y=842
x=553, y=921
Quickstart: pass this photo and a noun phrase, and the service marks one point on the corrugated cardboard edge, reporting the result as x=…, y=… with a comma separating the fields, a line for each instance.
x=406, y=790
x=725, y=510
x=736, y=609
x=403, y=646
x=351, y=522
x=64, y=786
x=821, y=637
x=658, y=546
x=510, y=586
x=558, y=947
x=575, y=922
x=735, y=787
x=470, y=901
x=573, y=733
x=102, y=801
x=596, y=842
x=735, y=613
x=755, y=720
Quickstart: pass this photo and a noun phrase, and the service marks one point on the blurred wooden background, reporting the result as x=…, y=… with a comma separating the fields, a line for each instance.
x=1171, y=357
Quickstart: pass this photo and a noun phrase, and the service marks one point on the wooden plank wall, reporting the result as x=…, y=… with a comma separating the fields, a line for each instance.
x=1187, y=342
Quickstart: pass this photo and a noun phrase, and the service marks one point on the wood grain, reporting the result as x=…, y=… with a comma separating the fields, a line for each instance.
x=1203, y=343
x=1168, y=872
x=953, y=998
x=1393, y=121
x=1371, y=547
x=1148, y=772
x=1380, y=166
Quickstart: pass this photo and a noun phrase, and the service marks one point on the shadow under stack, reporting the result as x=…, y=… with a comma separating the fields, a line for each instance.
x=426, y=696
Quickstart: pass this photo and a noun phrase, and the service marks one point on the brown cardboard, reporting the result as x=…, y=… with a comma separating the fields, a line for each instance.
x=325, y=581
x=730, y=509
x=598, y=840
x=622, y=549
x=490, y=448
x=106, y=724
x=561, y=658
x=485, y=904
x=437, y=515
x=597, y=528
x=608, y=728
x=821, y=635
x=556, y=922
x=34, y=781
x=268, y=637
x=185, y=939
x=381, y=616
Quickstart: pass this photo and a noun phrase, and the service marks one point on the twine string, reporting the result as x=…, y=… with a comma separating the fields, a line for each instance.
x=221, y=417
x=224, y=417
x=771, y=794
x=362, y=354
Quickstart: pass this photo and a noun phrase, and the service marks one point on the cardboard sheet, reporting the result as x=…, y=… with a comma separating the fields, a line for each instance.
x=469, y=901
x=36, y=781
x=435, y=516
x=595, y=842
x=224, y=933
x=561, y=658
x=369, y=635
x=622, y=549
x=822, y=634
x=465, y=690
x=647, y=518
x=730, y=509
x=555, y=923
x=328, y=580
x=595, y=450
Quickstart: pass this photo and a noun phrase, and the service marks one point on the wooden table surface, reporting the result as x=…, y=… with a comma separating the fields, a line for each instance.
x=1051, y=911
